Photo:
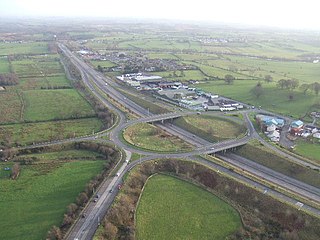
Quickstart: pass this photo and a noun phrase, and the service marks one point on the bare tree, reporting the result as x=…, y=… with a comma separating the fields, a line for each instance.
x=258, y=90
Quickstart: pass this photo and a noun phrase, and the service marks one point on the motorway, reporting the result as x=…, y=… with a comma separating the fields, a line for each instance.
x=85, y=227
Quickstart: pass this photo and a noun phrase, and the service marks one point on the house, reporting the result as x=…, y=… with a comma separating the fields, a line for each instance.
x=274, y=134
x=296, y=127
x=266, y=121
x=271, y=128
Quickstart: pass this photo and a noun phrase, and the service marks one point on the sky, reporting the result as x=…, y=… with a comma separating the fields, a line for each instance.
x=297, y=14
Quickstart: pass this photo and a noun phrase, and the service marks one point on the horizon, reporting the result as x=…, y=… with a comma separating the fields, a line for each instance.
x=269, y=14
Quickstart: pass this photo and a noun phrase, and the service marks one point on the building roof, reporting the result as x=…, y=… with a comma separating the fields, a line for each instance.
x=296, y=124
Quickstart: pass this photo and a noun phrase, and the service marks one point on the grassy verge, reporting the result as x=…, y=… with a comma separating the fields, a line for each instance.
x=140, y=100
x=147, y=136
x=167, y=201
x=211, y=128
x=260, y=154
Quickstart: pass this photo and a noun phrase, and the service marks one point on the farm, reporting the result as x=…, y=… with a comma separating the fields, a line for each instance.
x=249, y=62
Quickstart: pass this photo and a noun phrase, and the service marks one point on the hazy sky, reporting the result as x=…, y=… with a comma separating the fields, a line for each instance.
x=282, y=13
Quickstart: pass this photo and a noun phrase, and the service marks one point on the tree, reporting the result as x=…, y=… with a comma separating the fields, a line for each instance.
x=229, y=79
x=268, y=78
x=110, y=231
x=282, y=83
x=316, y=87
x=100, y=69
x=291, y=97
x=305, y=87
x=258, y=90
x=54, y=233
x=82, y=199
x=293, y=84
x=15, y=171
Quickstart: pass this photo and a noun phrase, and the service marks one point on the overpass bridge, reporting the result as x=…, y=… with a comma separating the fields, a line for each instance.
x=162, y=117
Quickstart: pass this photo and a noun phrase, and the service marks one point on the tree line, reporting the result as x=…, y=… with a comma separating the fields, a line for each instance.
x=292, y=84
x=8, y=79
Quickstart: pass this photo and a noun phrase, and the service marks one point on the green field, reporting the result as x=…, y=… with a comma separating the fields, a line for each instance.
x=147, y=136
x=184, y=75
x=4, y=65
x=28, y=133
x=106, y=64
x=309, y=150
x=38, y=199
x=273, y=99
x=170, y=208
x=47, y=105
x=62, y=155
x=23, y=48
x=211, y=128
x=53, y=82
x=10, y=109
x=162, y=56
x=43, y=66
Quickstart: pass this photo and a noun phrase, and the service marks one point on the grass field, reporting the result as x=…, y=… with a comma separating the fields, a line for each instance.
x=39, y=197
x=10, y=108
x=4, y=65
x=27, y=133
x=170, y=208
x=273, y=99
x=47, y=105
x=211, y=128
x=62, y=155
x=33, y=83
x=147, y=136
x=182, y=76
x=309, y=150
x=145, y=103
x=23, y=48
x=105, y=64
x=260, y=154
x=162, y=56
x=35, y=67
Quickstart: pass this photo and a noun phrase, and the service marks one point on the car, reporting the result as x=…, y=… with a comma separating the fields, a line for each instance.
x=106, y=84
x=111, y=190
x=212, y=148
x=117, y=174
x=198, y=113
